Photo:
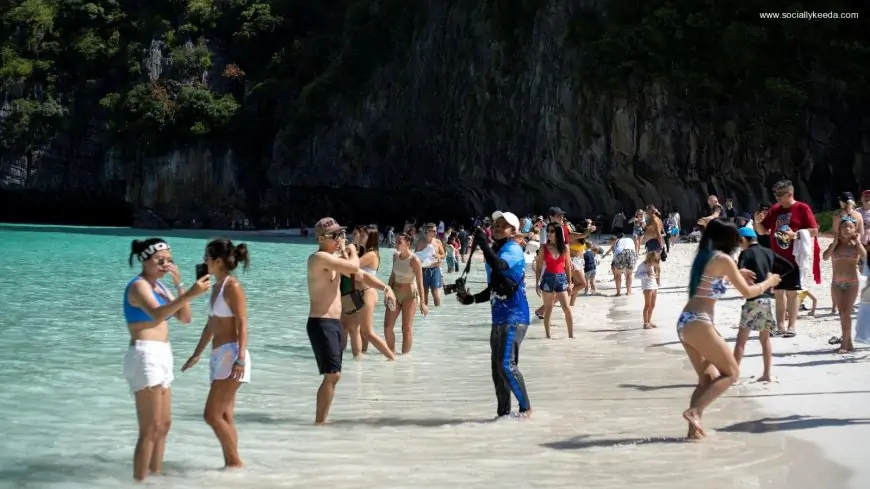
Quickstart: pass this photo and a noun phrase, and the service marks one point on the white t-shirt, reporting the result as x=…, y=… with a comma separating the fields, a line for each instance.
x=440, y=227
x=623, y=244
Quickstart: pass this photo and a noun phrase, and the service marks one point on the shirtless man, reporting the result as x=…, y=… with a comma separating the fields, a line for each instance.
x=325, y=268
x=652, y=231
x=431, y=253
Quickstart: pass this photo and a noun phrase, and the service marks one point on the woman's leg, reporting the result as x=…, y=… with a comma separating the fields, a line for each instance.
x=390, y=318
x=629, y=275
x=218, y=415
x=579, y=283
x=566, y=309
x=652, y=306
x=766, y=354
x=163, y=430
x=707, y=373
x=548, y=310
x=703, y=338
x=409, y=309
x=149, y=416
x=847, y=300
x=350, y=329
x=617, y=279
x=367, y=325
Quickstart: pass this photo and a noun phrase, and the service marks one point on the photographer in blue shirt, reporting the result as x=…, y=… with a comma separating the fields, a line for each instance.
x=506, y=293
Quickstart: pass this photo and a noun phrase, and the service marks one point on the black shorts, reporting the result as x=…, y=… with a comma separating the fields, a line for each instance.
x=790, y=280
x=325, y=337
x=764, y=240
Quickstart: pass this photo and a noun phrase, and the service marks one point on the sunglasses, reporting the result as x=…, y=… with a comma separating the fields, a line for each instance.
x=340, y=235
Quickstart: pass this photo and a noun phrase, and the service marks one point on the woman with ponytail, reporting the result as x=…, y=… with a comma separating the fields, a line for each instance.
x=148, y=365
x=711, y=357
x=227, y=330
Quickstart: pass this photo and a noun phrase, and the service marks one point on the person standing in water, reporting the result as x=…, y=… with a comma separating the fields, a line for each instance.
x=506, y=292
x=148, y=305
x=430, y=251
x=407, y=280
x=227, y=330
x=325, y=268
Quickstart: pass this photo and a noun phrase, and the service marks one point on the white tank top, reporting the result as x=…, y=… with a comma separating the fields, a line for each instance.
x=220, y=308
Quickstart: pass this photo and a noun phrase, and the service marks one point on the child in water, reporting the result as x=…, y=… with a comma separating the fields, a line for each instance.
x=648, y=272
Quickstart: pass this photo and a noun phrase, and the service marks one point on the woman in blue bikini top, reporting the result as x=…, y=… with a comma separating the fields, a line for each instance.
x=710, y=355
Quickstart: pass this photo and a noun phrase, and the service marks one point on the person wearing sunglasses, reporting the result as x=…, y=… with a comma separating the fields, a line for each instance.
x=148, y=364
x=332, y=259
x=783, y=222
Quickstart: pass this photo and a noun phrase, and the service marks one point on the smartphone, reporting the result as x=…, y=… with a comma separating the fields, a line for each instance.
x=201, y=270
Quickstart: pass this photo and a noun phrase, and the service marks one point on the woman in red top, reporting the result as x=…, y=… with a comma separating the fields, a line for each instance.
x=555, y=265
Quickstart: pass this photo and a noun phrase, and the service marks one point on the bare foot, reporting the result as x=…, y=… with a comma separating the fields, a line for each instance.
x=691, y=415
x=237, y=466
x=846, y=349
x=653, y=325
x=321, y=423
x=526, y=414
x=764, y=378
x=648, y=326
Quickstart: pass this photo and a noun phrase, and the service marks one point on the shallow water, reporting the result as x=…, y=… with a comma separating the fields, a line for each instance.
x=607, y=408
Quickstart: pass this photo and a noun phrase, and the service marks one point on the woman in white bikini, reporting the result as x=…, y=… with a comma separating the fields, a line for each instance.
x=710, y=355
x=227, y=331
x=359, y=297
x=148, y=365
x=407, y=280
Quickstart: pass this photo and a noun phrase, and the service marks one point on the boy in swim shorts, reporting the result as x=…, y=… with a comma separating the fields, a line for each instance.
x=757, y=313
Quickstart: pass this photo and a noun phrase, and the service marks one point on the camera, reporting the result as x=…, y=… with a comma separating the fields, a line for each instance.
x=458, y=286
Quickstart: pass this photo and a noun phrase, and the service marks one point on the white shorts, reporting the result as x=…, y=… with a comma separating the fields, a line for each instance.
x=222, y=360
x=148, y=364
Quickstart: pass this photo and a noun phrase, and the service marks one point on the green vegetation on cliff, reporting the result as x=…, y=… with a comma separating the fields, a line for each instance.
x=156, y=74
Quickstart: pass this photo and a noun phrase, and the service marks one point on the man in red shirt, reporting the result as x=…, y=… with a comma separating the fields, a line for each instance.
x=782, y=222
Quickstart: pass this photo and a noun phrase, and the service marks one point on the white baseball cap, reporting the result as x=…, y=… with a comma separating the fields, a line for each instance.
x=510, y=217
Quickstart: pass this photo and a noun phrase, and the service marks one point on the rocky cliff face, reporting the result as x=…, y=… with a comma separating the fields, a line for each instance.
x=465, y=124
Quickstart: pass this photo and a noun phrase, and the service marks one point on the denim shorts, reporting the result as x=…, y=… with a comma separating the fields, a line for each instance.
x=554, y=282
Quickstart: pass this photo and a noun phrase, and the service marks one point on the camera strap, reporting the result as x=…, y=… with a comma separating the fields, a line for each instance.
x=467, y=269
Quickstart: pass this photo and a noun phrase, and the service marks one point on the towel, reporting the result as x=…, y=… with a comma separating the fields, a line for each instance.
x=807, y=255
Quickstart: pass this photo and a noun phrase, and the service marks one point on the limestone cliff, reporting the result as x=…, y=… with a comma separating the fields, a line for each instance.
x=460, y=121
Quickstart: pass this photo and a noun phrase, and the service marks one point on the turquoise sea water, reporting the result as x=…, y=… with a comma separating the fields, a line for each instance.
x=67, y=417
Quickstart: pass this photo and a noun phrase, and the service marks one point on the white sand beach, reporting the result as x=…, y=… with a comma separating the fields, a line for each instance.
x=818, y=397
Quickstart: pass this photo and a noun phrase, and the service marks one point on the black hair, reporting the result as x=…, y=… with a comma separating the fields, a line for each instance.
x=138, y=246
x=231, y=254
x=559, y=234
x=720, y=235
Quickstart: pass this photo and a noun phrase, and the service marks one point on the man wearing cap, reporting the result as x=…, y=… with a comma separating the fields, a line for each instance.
x=325, y=268
x=506, y=293
x=782, y=222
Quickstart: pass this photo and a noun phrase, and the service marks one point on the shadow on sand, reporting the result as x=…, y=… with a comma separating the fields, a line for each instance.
x=789, y=423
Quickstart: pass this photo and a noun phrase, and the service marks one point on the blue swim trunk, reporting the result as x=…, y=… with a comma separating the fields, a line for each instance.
x=653, y=245
x=554, y=282
x=432, y=278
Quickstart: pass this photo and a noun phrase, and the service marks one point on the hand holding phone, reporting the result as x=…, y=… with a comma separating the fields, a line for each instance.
x=201, y=270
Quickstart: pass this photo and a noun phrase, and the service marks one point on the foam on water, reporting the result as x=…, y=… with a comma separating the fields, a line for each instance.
x=607, y=412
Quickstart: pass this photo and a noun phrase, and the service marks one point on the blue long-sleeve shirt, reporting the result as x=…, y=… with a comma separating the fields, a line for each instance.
x=515, y=309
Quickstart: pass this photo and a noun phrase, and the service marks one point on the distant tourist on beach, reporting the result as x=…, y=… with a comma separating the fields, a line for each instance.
x=325, y=268
x=555, y=216
x=624, y=261
x=506, y=293
x=862, y=331
x=406, y=279
x=148, y=365
x=710, y=355
x=359, y=295
x=865, y=218
x=431, y=253
x=784, y=223
x=649, y=273
x=638, y=223
x=757, y=313
x=653, y=230
x=714, y=211
x=227, y=331
x=845, y=252
x=590, y=266
x=553, y=277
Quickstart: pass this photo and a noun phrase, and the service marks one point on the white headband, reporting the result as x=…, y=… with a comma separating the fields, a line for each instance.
x=151, y=250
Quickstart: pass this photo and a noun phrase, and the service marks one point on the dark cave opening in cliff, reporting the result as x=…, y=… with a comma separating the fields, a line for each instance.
x=54, y=207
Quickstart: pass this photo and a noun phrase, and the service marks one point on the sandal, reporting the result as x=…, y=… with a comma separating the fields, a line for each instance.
x=789, y=333
x=835, y=341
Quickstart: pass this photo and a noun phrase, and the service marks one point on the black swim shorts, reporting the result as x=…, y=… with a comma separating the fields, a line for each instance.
x=325, y=337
